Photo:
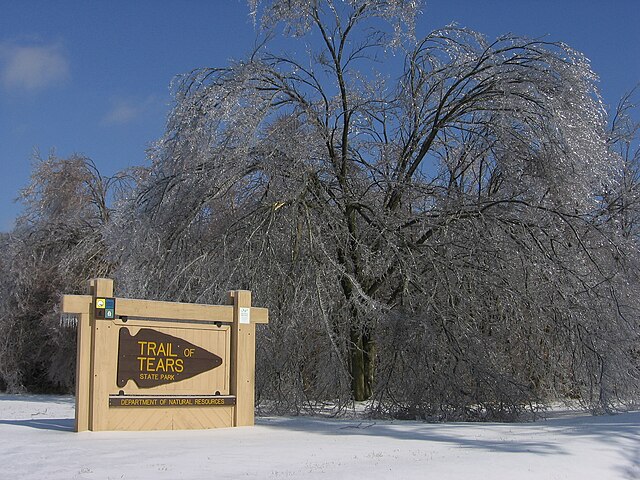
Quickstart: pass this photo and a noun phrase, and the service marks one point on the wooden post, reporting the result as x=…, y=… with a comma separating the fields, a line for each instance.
x=83, y=373
x=99, y=393
x=79, y=305
x=243, y=358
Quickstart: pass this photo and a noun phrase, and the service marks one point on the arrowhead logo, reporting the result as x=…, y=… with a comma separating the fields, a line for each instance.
x=152, y=358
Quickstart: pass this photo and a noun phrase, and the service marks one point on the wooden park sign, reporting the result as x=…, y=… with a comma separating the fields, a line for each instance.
x=150, y=365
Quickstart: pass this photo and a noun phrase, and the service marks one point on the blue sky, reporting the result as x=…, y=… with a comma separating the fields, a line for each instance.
x=92, y=77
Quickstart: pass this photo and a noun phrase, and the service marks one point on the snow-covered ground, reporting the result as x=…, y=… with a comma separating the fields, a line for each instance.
x=37, y=442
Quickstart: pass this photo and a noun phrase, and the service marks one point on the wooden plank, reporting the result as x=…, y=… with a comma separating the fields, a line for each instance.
x=243, y=355
x=259, y=315
x=83, y=372
x=102, y=360
x=170, y=401
x=75, y=304
x=169, y=310
x=80, y=305
x=135, y=419
x=101, y=287
x=163, y=310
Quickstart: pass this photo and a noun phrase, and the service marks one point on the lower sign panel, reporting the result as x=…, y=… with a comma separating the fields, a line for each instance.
x=170, y=401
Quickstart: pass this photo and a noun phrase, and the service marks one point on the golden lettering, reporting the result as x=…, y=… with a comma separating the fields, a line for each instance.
x=159, y=357
x=209, y=401
x=170, y=401
x=155, y=364
x=150, y=365
x=132, y=402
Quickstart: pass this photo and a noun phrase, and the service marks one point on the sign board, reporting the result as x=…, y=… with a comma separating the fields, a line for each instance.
x=149, y=365
x=152, y=358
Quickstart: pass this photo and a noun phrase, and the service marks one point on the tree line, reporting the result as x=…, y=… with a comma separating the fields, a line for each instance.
x=451, y=235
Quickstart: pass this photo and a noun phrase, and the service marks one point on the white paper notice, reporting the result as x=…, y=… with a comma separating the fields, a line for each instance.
x=245, y=315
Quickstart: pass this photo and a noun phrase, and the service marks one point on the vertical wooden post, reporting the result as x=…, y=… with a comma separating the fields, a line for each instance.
x=83, y=373
x=243, y=358
x=99, y=394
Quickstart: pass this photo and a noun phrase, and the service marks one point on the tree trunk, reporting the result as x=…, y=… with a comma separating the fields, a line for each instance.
x=362, y=365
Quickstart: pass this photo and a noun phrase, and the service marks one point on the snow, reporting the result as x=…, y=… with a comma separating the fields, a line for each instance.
x=37, y=442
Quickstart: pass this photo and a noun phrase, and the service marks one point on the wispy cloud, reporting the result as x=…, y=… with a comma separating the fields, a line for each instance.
x=32, y=67
x=124, y=111
x=121, y=112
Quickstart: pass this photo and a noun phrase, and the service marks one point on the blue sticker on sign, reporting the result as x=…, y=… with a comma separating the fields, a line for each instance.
x=110, y=303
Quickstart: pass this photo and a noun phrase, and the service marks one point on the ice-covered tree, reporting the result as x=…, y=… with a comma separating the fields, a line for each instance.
x=55, y=247
x=423, y=217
